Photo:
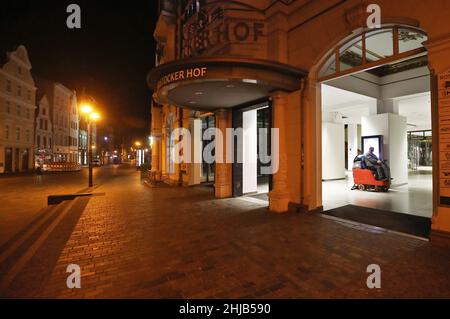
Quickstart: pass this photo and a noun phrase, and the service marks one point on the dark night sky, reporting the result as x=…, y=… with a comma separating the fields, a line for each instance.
x=109, y=56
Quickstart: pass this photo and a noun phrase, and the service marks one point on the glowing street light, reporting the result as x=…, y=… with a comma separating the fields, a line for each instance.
x=86, y=109
x=91, y=117
x=94, y=116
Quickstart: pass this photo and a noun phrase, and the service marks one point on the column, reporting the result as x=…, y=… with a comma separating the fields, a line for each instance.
x=195, y=127
x=439, y=64
x=393, y=127
x=312, y=151
x=156, y=146
x=223, y=171
x=279, y=196
x=352, y=146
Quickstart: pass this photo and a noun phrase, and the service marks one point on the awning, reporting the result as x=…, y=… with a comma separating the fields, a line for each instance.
x=209, y=83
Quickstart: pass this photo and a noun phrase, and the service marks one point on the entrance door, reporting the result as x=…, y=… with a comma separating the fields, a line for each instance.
x=264, y=148
x=8, y=159
x=17, y=160
x=260, y=119
x=207, y=168
x=25, y=159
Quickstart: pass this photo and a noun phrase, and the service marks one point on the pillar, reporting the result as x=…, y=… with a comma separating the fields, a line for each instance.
x=156, y=146
x=387, y=106
x=279, y=196
x=439, y=64
x=311, y=195
x=223, y=171
x=352, y=144
x=195, y=167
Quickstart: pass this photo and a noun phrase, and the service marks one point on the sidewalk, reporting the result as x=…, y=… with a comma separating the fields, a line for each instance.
x=137, y=242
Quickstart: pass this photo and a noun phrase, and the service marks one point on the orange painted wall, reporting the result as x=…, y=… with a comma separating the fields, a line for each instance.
x=293, y=146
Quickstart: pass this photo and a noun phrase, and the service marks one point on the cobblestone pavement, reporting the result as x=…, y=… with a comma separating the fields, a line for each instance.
x=140, y=242
x=24, y=196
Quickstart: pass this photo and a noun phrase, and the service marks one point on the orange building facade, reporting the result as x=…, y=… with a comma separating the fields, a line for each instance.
x=216, y=59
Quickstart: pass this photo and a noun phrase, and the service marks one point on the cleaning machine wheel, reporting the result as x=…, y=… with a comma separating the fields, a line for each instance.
x=361, y=187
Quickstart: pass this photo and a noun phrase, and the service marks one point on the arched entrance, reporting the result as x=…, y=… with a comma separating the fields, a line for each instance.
x=374, y=89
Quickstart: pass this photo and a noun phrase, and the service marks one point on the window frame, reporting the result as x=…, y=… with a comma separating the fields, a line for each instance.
x=368, y=65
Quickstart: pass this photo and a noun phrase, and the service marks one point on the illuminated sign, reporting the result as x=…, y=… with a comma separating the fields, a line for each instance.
x=186, y=74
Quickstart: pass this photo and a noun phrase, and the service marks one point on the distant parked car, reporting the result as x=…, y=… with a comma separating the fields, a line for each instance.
x=96, y=162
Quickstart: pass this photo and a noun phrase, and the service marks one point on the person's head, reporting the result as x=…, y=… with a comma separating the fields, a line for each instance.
x=371, y=149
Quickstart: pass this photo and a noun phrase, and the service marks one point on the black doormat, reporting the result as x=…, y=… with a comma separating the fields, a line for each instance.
x=404, y=223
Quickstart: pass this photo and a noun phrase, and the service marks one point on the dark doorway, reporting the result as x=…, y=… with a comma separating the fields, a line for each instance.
x=264, y=137
x=25, y=159
x=17, y=160
x=263, y=120
x=8, y=159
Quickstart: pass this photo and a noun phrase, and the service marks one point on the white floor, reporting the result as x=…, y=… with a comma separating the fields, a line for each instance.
x=414, y=198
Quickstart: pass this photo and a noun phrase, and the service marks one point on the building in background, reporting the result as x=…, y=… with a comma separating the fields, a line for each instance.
x=43, y=136
x=106, y=144
x=61, y=101
x=74, y=128
x=17, y=109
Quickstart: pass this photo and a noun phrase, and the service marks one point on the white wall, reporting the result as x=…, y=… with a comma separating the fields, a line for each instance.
x=393, y=129
x=352, y=146
x=333, y=151
x=250, y=159
x=196, y=151
x=398, y=149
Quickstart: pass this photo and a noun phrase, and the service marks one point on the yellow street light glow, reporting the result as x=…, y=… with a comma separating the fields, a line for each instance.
x=138, y=143
x=95, y=116
x=86, y=109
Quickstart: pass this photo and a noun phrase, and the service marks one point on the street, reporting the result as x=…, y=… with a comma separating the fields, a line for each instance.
x=23, y=197
x=131, y=240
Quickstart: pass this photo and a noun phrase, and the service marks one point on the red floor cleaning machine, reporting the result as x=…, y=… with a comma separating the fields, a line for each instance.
x=364, y=177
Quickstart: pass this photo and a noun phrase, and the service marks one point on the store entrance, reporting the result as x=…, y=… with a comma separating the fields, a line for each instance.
x=207, y=169
x=8, y=159
x=25, y=160
x=250, y=175
x=377, y=132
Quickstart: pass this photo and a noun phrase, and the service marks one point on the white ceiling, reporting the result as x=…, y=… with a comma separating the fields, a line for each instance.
x=348, y=104
x=416, y=108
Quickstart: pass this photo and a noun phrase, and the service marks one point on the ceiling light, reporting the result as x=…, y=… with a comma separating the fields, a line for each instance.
x=230, y=86
x=192, y=102
x=198, y=93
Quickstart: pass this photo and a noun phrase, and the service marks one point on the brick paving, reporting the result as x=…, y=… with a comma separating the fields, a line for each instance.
x=140, y=242
x=23, y=197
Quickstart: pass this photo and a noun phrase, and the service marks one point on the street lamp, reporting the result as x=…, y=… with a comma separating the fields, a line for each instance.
x=91, y=117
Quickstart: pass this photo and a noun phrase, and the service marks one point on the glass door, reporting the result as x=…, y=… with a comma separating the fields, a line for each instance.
x=208, y=170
